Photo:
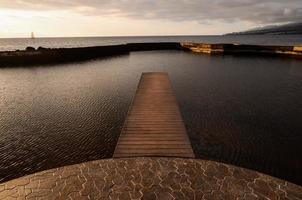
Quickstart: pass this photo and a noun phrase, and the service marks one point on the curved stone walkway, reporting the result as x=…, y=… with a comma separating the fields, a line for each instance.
x=149, y=178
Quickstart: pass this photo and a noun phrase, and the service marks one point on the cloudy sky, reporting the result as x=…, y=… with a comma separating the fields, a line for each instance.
x=55, y=18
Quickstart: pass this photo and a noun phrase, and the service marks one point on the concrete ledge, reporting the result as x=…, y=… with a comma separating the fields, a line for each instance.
x=298, y=49
x=149, y=178
x=236, y=49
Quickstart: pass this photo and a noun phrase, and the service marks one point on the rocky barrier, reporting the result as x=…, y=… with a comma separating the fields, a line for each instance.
x=240, y=49
x=32, y=56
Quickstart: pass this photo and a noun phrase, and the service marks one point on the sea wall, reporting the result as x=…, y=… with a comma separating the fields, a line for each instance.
x=32, y=56
x=238, y=49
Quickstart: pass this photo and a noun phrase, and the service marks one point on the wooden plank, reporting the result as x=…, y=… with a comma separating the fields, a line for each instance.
x=152, y=146
x=150, y=142
x=162, y=151
x=127, y=155
x=154, y=126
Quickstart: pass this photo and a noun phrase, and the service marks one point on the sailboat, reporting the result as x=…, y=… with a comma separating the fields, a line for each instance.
x=32, y=35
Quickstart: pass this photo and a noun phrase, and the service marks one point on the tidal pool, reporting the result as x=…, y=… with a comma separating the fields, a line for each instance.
x=246, y=111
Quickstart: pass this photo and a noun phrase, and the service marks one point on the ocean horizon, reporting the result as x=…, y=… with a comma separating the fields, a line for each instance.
x=11, y=44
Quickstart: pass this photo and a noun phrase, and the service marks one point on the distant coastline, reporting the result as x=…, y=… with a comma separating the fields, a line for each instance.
x=287, y=29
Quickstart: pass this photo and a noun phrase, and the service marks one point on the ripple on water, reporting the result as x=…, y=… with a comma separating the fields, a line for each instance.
x=241, y=110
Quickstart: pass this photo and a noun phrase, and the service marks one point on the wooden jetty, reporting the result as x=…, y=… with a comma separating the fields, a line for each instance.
x=154, y=125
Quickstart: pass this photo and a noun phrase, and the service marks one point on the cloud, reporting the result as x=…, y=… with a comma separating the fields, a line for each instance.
x=201, y=11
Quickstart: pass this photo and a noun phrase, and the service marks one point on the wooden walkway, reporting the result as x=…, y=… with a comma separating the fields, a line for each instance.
x=154, y=125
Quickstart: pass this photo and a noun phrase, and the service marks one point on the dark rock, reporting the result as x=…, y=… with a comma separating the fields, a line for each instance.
x=41, y=49
x=30, y=49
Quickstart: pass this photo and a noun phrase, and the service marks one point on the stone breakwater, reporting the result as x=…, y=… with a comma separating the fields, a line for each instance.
x=238, y=49
x=149, y=178
x=32, y=56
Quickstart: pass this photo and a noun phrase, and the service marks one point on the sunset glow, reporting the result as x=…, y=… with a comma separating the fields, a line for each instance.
x=125, y=18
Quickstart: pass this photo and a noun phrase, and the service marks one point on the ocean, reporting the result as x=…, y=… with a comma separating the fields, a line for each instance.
x=243, y=110
x=12, y=44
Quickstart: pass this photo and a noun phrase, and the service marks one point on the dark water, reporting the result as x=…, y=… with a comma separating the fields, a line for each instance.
x=13, y=44
x=241, y=110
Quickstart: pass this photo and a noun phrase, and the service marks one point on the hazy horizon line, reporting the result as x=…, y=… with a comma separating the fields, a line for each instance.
x=176, y=35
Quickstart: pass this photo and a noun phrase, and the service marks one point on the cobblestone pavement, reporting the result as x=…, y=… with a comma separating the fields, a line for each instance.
x=149, y=178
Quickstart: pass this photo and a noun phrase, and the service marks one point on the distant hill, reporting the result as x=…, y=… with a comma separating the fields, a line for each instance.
x=287, y=29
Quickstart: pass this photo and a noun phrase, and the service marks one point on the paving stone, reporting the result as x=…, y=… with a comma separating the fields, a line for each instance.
x=149, y=178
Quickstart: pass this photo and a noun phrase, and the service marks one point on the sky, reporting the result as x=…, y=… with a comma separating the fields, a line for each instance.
x=76, y=18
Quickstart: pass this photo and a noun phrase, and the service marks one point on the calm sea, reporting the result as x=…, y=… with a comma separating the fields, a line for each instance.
x=22, y=43
x=241, y=110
